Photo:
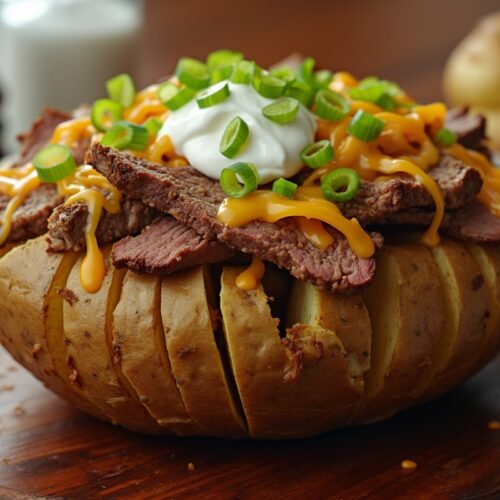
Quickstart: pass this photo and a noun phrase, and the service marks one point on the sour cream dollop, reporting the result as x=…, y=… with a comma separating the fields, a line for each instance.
x=274, y=149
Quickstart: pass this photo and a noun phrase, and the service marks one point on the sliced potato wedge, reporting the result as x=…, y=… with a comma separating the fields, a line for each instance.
x=138, y=335
x=32, y=317
x=407, y=315
x=88, y=322
x=196, y=362
x=466, y=311
x=346, y=315
x=287, y=387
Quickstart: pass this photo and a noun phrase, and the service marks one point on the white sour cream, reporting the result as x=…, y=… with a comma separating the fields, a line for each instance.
x=274, y=149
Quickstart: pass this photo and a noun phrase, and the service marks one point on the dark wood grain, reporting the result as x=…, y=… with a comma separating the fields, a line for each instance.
x=49, y=449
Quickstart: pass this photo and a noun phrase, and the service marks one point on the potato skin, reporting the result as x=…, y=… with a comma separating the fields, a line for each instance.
x=430, y=319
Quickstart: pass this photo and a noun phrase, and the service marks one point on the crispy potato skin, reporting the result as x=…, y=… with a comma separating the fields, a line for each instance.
x=192, y=354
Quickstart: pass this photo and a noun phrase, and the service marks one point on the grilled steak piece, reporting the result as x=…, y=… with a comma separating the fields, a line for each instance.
x=194, y=199
x=30, y=219
x=40, y=133
x=67, y=224
x=470, y=128
x=167, y=246
x=474, y=222
x=459, y=185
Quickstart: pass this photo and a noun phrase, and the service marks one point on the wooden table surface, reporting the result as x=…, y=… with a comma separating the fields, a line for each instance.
x=49, y=449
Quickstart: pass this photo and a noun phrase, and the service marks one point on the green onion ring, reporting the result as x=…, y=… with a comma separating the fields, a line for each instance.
x=282, y=111
x=284, y=73
x=54, y=162
x=212, y=97
x=193, y=73
x=331, y=105
x=284, y=188
x=230, y=183
x=365, y=126
x=318, y=154
x=268, y=86
x=104, y=113
x=126, y=135
x=340, y=185
x=306, y=71
x=153, y=126
x=300, y=91
x=243, y=72
x=445, y=137
x=173, y=97
x=223, y=57
x=234, y=137
x=121, y=89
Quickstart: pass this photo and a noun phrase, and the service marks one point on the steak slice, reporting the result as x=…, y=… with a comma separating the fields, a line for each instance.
x=167, y=246
x=30, y=219
x=459, y=185
x=470, y=128
x=40, y=133
x=194, y=199
x=66, y=226
x=474, y=222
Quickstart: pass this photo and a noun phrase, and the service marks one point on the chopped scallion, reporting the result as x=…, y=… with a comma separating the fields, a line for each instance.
x=54, y=162
x=231, y=177
x=365, y=126
x=282, y=111
x=284, y=187
x=234, y=138
x=317, y=154
x=340, y=185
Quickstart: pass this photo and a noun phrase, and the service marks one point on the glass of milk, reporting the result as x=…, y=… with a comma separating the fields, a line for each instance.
x=59, y=53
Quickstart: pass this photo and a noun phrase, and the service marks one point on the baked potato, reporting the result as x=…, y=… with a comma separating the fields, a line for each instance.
x=193, y=354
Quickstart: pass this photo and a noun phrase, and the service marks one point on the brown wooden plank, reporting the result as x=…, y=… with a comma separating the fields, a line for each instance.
x=49, y=449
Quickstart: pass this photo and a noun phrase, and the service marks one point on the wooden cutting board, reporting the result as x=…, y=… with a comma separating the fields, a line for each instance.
x=49, y=449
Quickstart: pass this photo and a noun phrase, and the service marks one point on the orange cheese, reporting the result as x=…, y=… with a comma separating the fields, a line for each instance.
x=250, y=278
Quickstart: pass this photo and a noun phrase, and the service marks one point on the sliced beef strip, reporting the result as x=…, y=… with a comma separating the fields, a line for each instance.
x=167, y=246
x=30, y=219
x=459, y=185
x=40, y=133
x=193, y=199
x=474, y=222
x=470, y=128
x=67, y=224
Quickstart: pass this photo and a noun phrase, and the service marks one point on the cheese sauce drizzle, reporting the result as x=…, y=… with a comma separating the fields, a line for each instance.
x=403, y=148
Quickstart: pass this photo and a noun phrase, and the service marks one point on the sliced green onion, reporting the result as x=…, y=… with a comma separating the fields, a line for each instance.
x=340, y=185
x=331, y=105
x=365, y=126
x=54, y=162
x=385, y=101
x=317, y=154
x=243, y=72
x=121, y=89
x=223, y=57
x=300, y=91
x=322, y=79
x=153, y=125
x=390, y=88
x=125, y=135
x=284, y=188
x=104, y=113
x=268, y=86
x=234, y=138
x=219, y=74
x=212, y=97
x=445, y=137
x=173, y=97
x=230, y=184
x=306, y=71
x=284, y=73
x=193, y=73
x=282, y=111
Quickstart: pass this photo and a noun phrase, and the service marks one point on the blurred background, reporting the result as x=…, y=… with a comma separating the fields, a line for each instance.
x=59, y=52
